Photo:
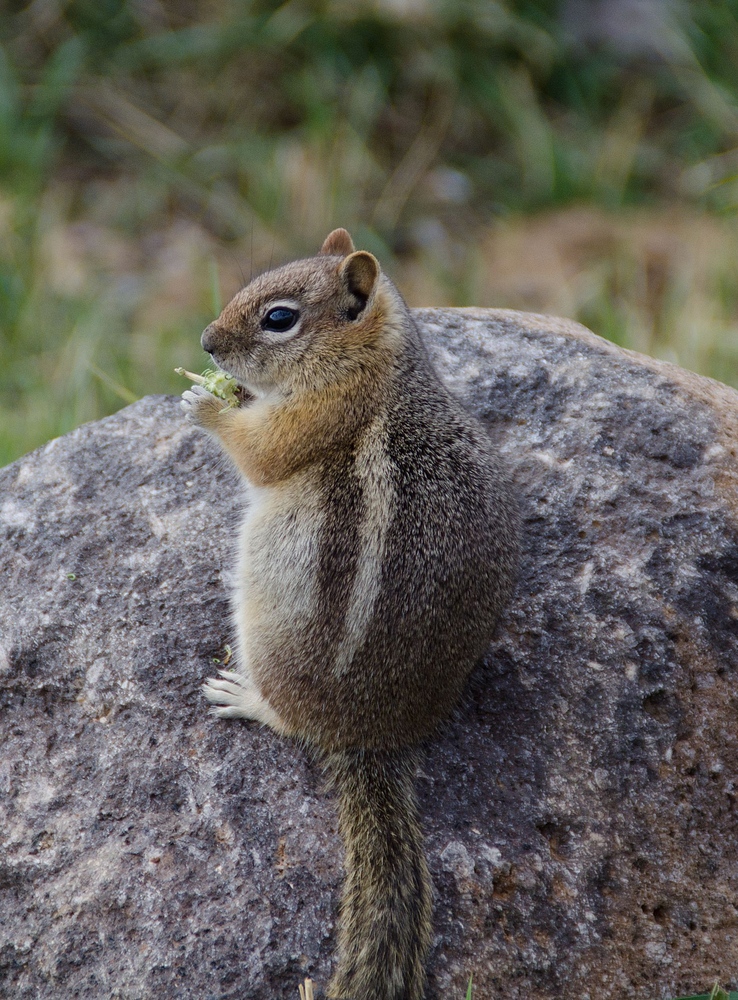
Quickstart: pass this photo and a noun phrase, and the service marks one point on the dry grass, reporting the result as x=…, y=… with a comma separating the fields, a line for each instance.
x=660, y=281
x=664, y=282
x=153, y=157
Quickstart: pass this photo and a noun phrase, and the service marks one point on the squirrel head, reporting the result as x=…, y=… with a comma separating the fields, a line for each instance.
x=307, y=324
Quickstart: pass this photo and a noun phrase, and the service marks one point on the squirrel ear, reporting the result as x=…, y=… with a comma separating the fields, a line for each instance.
x=338, y=244
x=360, y=271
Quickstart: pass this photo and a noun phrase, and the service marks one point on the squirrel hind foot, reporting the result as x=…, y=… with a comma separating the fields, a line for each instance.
x=234, y=696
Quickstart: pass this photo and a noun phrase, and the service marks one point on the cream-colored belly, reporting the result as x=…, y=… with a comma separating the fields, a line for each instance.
x=276, y=582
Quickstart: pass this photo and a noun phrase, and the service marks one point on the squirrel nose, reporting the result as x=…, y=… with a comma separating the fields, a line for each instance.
x=209, y=338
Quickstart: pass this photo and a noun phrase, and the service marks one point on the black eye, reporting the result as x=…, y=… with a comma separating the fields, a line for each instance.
x=280, y=319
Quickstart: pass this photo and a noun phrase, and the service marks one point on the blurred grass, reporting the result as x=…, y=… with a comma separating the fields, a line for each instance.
x=153, y=155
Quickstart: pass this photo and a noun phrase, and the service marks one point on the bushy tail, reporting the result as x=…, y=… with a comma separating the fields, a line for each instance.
x=385, y=923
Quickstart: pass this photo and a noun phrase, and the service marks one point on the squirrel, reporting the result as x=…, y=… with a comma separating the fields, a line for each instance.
x=376, y=553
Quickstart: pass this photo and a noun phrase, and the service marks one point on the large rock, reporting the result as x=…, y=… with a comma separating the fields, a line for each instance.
x=581, y=807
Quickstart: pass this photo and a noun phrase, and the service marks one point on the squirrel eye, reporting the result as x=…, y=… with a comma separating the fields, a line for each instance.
x=280, y=319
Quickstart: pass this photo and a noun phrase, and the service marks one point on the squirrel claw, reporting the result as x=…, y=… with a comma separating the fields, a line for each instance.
x=306, y=991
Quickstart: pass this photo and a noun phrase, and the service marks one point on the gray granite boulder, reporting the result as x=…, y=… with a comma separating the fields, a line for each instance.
x=581, y=807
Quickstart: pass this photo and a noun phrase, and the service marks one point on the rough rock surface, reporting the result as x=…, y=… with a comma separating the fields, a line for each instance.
x=580, y=809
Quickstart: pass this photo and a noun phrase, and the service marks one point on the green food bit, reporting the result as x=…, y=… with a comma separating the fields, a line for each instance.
x=217, y=382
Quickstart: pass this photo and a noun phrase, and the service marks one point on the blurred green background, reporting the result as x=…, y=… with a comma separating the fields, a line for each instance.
x=577, y=157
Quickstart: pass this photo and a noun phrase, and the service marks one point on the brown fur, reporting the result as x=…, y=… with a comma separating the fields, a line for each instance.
x=375, y=557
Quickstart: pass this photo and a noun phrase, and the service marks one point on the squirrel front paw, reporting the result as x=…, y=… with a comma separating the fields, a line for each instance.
x=201, y=407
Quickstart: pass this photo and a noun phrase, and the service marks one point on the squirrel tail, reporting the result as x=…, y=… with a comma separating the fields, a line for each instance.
x=385, y=924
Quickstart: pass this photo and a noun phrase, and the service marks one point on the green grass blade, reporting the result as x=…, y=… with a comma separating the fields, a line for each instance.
x=716, y=993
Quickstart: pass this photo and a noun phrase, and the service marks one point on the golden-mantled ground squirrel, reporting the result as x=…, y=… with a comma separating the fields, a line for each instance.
x=376, y=553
